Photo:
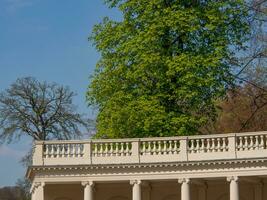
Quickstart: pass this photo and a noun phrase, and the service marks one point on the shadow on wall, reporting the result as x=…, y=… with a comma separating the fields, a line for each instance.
x=226, y=197
x=170, y=197
x=118, y=198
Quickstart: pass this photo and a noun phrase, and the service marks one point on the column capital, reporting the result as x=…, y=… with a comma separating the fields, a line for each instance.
x=36, y=185
x=135, y=182
x=232, y=178
x=184, y=180
x=89, y=183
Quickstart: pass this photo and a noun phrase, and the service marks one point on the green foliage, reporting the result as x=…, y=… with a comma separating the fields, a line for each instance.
x=163, y=65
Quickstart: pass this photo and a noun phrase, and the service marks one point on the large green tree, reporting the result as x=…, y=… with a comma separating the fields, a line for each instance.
x=163, y=64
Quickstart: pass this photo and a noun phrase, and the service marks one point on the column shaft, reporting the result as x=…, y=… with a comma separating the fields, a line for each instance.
x=88, y=190
x=137, y=193
x=234, y=188
x=185, y=189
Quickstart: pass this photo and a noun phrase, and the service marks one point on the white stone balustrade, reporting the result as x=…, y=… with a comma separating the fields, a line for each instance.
x=147, y=150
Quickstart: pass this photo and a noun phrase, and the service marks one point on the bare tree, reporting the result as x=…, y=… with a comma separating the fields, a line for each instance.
x=41, y=110
x=244, y=108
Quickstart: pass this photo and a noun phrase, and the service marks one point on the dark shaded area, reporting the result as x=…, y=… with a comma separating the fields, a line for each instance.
x=11, y=193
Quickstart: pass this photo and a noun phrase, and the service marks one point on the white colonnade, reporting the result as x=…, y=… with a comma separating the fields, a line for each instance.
x=37, y=189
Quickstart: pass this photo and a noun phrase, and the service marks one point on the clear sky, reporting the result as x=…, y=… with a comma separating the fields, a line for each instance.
x=46, y=39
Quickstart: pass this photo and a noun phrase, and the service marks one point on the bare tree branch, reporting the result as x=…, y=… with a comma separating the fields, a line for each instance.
x=41, y=110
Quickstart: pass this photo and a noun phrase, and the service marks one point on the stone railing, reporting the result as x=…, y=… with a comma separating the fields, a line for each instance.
x=152, y=150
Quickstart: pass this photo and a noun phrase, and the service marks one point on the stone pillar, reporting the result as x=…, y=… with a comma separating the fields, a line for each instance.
x=137, y=192
x=37, y=191
x=234, y=189
x=185, y=188
x=88, y=190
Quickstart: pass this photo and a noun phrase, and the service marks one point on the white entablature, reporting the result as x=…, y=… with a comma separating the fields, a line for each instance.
x=192, y=164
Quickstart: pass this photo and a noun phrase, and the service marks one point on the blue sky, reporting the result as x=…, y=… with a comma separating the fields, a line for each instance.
x=46, y=39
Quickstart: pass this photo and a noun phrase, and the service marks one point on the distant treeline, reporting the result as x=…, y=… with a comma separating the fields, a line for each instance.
x=11, y=193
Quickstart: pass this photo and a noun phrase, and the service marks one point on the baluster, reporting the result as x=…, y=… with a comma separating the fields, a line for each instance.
x=223, y=146
x=208, y=145
x=121, y=145
x=52, y=150
x=81, y=150
x=101, y=149
x=144, y=148
x=203, y=146
x=213, y=147
x=159, y=147
x=46, y=153
x=239, y=143
x=127, y=149
x=116, y=148
x=149, y=148
x=216, y=144
x=96, y=149
x=175, y=148
x=194, y=145
x=77, y=150
x=256, y=142
x=111, y=149
x=68, y=150
x=197, y=146
x=251, y=143
x=58, y=150
x=170, y=147
x=164, y=147
x=246, y=143
x=154, y=149
x=261, y=142
x=106, y=149
x=63, y=150
x=73, y=150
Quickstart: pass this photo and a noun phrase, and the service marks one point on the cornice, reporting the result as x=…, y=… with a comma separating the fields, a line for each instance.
x=187, y=166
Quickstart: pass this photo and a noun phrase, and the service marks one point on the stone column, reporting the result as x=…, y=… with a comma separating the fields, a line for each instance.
x=185, y=188
x=137, y=192
x=37, y=191
x=234, y=189
x=88, y=190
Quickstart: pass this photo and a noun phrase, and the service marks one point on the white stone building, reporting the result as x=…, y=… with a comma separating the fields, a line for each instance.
x=211, y=167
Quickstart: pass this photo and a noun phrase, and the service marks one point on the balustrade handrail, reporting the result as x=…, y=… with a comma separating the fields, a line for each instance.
x=149, y=138
x=178, y=148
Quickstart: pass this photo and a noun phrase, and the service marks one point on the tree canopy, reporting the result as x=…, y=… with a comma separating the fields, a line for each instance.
x=163, y=65
x=41, y=110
